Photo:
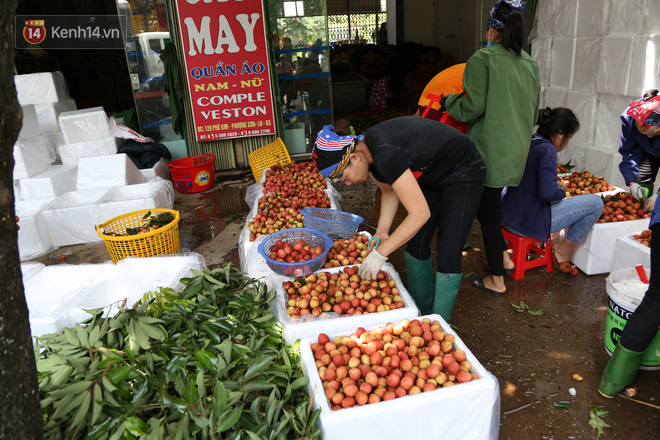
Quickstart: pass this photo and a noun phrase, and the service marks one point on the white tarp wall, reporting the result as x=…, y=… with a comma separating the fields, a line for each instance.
x=596, y=57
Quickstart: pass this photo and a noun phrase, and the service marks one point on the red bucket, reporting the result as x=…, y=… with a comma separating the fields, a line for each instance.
x=193, y=174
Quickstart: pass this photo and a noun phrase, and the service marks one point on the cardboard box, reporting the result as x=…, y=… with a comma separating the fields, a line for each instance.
x=466, y=411
x=295, y=328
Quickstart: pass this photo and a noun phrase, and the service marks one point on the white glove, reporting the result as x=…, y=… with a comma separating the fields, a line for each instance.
x=649, y=204
x=371, y=265
x=638, y=192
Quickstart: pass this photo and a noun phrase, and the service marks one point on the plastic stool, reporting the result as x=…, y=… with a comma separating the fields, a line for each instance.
x=523, y=249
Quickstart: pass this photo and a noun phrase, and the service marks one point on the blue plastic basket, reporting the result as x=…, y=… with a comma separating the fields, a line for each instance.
x=337, y=224
x=292, y=235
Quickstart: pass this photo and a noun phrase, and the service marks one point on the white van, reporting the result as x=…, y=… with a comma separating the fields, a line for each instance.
x=151, y=44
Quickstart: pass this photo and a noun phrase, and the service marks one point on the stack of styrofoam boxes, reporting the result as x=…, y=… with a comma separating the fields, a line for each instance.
x=294, y=328
x=596, y=57
x=86, y=133
x=465, y=410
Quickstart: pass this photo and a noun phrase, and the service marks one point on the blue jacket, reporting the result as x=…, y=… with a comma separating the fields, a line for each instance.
x=526, y=207
x=632, y=143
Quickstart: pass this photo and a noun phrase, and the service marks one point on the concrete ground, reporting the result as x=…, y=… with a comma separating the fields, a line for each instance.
x=533, y=357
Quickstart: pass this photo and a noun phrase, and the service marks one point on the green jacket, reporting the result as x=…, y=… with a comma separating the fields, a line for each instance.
x=501, y=103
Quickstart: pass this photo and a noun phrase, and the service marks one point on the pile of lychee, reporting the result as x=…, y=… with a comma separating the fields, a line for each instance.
x=583, y=182
x=396, y=360
x=347, y=251
x=643, y=237
x=343, y=293
x=292, y=178
x=620, y=207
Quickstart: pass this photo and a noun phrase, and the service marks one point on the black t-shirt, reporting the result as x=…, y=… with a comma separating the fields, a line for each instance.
x=432, y=150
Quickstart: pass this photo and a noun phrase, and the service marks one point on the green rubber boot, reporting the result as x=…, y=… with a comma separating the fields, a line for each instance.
x=620, y=371
x=420, y=281
x=446, y=291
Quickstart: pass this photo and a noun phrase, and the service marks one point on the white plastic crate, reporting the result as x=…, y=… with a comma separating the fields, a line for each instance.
x=85, y=125
x=104, y=171
x=308, y=325
x=466, y=411
x=52, y=182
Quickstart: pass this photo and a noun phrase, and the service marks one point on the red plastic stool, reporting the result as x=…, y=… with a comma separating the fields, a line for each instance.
x=524, y=249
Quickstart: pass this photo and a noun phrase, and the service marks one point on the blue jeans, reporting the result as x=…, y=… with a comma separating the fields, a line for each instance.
x=453, y=204
x=578, y=212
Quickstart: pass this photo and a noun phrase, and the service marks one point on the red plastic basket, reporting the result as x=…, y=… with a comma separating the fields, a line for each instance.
x=193, y=174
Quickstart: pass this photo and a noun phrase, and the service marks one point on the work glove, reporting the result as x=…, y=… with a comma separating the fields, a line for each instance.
x=649, y=204
x=371, y=265
x=638, y=192
x=443, y=100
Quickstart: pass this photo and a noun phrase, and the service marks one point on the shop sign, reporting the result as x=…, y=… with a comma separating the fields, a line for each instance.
x=226, y=60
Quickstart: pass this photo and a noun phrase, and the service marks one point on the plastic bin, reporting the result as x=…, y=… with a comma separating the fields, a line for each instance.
x=193, y=174
x=337, y=224
x=272, y=154
x=303, y=268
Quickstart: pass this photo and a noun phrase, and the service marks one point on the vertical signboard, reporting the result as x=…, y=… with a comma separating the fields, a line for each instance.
x=226, y=60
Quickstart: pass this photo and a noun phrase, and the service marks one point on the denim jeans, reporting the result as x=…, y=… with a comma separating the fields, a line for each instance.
x=453, y=205
x=578, y=212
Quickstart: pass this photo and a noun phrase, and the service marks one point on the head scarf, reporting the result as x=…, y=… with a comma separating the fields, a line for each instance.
x=494, y=22
x=332, y=152
x=646, y=115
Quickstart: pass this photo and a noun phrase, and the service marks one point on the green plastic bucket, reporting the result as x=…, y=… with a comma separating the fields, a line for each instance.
x=622, y=304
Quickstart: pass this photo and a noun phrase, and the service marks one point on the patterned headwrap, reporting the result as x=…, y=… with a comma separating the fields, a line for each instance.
x=331, y=152
x=646, y=115
x=494, y=22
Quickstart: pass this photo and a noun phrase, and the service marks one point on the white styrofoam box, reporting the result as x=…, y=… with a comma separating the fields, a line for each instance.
x=50, y=290
x=72, y=217
x=542, y=54
x=596, y=253
x=627, y=17
x=587, y=56
x=606, y=164
x=30, y=127
x=57, y=141
x=467, y=411
x=33, y=239
x=103, y=171
x=590, y=18
x=563, y=51
x=565, y=19
x=158, y=193
x=584, y=106
x=32, y=155
x=628, y=252
x=608, y=120
x=72, y=153
x=48, y=112
x=614, y=64
x=36, y=88
x=89, y=124
x=52, y=182
x=555, y=97
x=160, y=169
x=645, y=69
x=310, y=326
x=28, y=270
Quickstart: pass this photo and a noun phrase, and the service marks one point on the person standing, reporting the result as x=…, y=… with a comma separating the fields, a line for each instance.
x=641, y=328
x=640, y=147
x=538, y=206
x=501, y=104
x=437, y=174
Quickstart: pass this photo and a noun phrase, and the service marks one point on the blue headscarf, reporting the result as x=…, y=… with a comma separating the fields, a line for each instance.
x=494, y=22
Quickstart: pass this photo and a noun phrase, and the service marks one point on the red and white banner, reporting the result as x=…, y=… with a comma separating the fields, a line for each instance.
x=226, y=60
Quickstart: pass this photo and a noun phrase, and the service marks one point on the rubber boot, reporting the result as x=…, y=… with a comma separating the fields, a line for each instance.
x=620, y=371
x=446, y=291
x=420, y=281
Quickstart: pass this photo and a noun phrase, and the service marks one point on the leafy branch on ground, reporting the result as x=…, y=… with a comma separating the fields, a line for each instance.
x=525, y=308
x=596, y=414
x=208, y=361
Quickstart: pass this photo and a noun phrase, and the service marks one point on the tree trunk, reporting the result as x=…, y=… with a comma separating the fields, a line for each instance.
x=20, y=411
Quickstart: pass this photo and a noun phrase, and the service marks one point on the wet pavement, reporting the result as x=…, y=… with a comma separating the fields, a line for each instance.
x=532, y=357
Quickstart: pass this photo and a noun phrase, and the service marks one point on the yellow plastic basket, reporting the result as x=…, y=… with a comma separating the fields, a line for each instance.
x=274, y=153
x=161, y=241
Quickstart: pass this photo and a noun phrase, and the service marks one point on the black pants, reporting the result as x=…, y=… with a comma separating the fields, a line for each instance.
x=490, y=218
x=453, y=205
x=643, y=324
x=648, y=167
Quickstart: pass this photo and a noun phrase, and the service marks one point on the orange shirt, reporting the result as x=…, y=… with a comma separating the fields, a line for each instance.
x=447, y=82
